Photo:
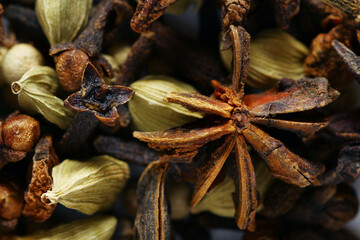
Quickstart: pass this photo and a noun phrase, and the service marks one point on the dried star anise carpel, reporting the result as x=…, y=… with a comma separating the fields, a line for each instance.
x=235, y=122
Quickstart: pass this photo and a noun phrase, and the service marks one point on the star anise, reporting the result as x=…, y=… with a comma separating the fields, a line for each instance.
x=236, y=117
x=97, y=97
x=350, y=59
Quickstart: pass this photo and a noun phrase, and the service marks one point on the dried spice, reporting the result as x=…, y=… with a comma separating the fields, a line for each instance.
x=97, y=227
x=18, y=60
x=138, y=55
x=44, y=160
x=347, y=168
x=351, y=61
x=148, y=110
x=239, y=114
x=323, y=61
x=36, y=95
x=350, y=7
x=62, y=20
x=152, y=218
x=279, y=199
x=274, y=55
x=11, y=202
x=219, y=201
x=148, y=11
x=20, y=132
x=285, y=10
x=97, y=97
x=328, y=206
x=87, y=186
x=78, y=132
x=73, y=57
x=129, y=151
x=234, y=12
x=188, y=58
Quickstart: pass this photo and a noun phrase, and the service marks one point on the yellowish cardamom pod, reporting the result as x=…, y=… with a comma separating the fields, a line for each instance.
x=61, y=20
x=35, y=92
x=18, y=60
x=97, y=227
x=148, y=110
x=87, y=186
x=274, y=54
x=219, y=201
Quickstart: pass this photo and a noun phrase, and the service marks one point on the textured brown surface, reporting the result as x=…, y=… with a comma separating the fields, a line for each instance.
x=44, y=160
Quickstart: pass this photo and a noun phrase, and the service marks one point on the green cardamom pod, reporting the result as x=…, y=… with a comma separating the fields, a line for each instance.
x=97, y=227
x=18, y=60
x=35, y=91
x=87, y=186
x=274, y=54
x=61, y=20
x=148, y=110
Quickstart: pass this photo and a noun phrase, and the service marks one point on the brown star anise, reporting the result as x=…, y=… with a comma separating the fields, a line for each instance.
x=236, y=117
x=97, y=97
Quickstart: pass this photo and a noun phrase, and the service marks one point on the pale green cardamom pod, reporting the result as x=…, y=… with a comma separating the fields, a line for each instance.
x=148, y=110
x=61, y=20
x=96, y=228
x=219, y=201
x=274, y=54
x=18, y=60
x=87, y=186
x=35, y=91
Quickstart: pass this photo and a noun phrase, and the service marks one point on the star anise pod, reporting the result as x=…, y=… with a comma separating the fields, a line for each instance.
x=350, y=59
x=97, y=97
x=235, y=122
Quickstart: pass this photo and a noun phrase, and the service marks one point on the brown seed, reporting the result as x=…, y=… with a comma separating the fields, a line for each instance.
x=70, y=67
x=20, y=132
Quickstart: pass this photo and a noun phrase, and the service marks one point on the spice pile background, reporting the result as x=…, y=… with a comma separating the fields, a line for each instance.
x=101, y=84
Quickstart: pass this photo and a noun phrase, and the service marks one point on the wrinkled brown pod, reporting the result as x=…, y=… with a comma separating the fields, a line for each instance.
x=43, y=161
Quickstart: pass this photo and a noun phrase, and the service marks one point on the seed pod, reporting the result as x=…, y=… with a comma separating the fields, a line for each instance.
x=35, y=92
x=274, y=55
x=18, y=60
x=98, y=227
x=61, y=20
x=20, y=132
x=148, y=110
x=219, y=201
x=87, y=186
